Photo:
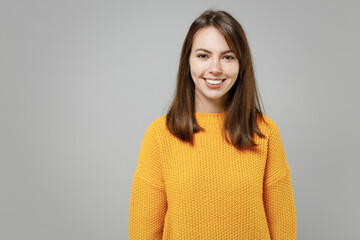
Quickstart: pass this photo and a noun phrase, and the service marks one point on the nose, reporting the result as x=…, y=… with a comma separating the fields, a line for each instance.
x=215, y=67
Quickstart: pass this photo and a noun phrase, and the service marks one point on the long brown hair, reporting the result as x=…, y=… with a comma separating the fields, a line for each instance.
x=242, y=106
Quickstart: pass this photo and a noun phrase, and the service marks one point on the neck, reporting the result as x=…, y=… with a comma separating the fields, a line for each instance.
x=210, y=105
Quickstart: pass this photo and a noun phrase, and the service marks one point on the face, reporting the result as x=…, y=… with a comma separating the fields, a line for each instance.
x=214, y=69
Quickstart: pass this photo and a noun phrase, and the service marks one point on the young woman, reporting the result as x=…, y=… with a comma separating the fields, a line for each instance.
x=214, y=166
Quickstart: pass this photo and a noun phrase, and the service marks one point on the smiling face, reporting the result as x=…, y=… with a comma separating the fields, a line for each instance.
x=214, y=69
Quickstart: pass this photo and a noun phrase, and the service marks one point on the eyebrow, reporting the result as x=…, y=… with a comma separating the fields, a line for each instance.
x=205, y=50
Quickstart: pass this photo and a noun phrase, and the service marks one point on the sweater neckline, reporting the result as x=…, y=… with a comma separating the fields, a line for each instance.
x=202, y=117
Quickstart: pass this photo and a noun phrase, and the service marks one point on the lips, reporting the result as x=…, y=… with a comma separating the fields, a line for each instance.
x=215, y=79
x=216, y=83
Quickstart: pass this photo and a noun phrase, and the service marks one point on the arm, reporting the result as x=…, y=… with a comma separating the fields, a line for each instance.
x=148, y=204
x=278, y=194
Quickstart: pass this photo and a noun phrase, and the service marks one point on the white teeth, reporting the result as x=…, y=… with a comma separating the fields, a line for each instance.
x=214, y=81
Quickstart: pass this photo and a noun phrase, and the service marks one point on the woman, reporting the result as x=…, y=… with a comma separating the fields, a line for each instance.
x=214, y=166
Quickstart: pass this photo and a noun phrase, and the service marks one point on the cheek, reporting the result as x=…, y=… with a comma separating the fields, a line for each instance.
x=232, y=71
x=193, y=70
x=196, y=69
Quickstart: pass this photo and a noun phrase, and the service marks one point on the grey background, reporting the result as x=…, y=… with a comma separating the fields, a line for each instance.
x=82, y=80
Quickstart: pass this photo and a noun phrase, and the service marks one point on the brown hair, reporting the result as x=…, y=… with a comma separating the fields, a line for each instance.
x=242, y=106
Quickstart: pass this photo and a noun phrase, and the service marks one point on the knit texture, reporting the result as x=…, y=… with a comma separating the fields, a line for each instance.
x=211, y=190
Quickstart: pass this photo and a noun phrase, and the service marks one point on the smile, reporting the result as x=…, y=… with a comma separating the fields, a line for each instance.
x=214, y=81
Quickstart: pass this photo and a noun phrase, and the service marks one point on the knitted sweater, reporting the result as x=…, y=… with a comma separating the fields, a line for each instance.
x=211, y=190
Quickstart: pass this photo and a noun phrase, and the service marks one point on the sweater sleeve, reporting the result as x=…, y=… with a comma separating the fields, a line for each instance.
x=278, y=194
x=148, y=204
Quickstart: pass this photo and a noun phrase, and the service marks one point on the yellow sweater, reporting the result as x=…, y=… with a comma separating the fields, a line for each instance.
x=211, y=190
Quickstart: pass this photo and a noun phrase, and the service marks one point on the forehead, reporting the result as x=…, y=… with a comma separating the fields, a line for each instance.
x=210, y=38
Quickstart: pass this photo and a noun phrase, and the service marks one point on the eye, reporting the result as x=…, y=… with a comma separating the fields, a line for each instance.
x=228, y=57
x=202, y=56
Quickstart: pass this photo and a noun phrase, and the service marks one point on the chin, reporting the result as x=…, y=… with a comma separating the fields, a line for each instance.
x=212, y=97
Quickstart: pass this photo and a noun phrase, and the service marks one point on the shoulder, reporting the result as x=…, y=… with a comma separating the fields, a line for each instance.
x=267, y=125
x=154, y=133
x=157, y=126
x=158, y=123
